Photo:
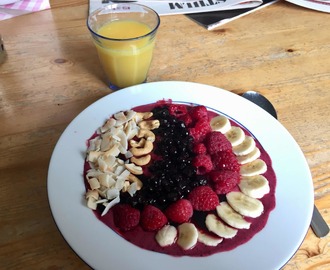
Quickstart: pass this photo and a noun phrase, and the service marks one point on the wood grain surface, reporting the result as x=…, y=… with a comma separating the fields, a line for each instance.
x=52, y=73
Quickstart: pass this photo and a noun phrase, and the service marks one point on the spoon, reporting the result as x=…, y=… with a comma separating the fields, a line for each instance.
x=318, y=224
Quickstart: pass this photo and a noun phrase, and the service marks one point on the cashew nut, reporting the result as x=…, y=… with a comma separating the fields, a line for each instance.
x=140, y=161
x=137, y=144
x=142, y=116
x=132, y=178
x=141, y=151
x=149, y=124
x=147, y=134
x=134, y=169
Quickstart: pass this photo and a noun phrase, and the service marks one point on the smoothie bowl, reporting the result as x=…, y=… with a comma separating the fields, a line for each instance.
x=206, y=222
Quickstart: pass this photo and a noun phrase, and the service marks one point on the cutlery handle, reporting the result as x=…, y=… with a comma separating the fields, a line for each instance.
x=318, y=224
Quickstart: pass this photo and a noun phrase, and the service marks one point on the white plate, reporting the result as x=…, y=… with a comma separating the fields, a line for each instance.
x=313, y=4
x=102, y=248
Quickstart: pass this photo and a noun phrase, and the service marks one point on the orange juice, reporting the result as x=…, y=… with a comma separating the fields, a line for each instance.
x=127, y=54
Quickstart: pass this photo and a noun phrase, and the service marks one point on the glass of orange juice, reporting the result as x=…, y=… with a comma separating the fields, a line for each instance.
x=124, y=35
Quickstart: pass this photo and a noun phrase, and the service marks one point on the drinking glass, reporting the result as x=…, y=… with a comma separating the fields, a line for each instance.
x=124, y=36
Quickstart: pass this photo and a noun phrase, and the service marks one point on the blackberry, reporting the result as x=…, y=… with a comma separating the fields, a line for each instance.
x=160, y=112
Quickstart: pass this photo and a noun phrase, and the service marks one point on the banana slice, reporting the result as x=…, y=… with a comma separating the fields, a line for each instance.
x=220, y=123
x=188, y=235
x=255, y=167
x=246, y=147
x=208, y=239
x=235, y=135
x=231, y=217
x=254, y=186
x=166, y=236
x=218, y=227
x=245, y=205
x=249, y=157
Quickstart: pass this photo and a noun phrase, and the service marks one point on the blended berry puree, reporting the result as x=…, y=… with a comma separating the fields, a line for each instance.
x=146, y=240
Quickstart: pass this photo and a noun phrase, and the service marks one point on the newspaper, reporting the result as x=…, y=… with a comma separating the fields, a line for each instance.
x=212, y=20
x=185, y=6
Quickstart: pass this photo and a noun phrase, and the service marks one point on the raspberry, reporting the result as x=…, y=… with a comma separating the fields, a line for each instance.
x=125, y=216
x=224, y=181
x=187, y=120
x=152, y=218
x=200, y=130
x=180, y=211
x=215, y=141
x=177, y=109
x=203, y=164
x=203, y=198
x=199, y=113
x=199, y=148
x=225, y=160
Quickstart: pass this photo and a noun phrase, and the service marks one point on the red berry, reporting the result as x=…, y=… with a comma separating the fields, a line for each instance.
x=225, y=160
x=200, y=130
x=199, y=113
x=187, y=120
x=125, y=216
x=203, y=198
x=199, y=148
x=177, y=109
x=224, y=181
x=152, y=218
x=215, y=142
x=203, y=164
x=180, y=211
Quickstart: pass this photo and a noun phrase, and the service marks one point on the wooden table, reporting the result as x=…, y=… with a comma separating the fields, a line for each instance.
x=52, y=73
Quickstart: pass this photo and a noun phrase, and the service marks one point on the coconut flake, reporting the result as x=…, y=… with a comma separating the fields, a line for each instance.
x=93, y=156
x=128, y=155
x=102, y=165
x=93, y=173
x=110, y=204
x=92, y=193
x=94, y=183
x=112, y=193
x=113, y=151
x=91, y=203
x=101, y=201
x=132, y=189
x=120, y=183
x=130, y=115
x=94, y=144
x=109, y=124
x=107, y=180
x=123, y=139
